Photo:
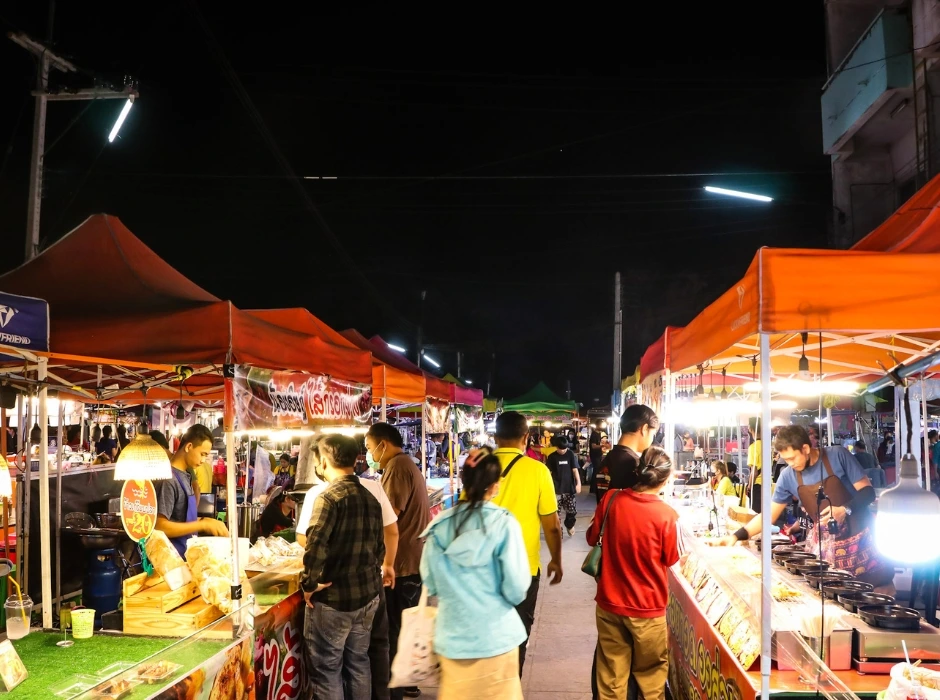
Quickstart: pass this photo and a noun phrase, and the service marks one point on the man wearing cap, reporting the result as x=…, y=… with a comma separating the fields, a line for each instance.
x=563, y=464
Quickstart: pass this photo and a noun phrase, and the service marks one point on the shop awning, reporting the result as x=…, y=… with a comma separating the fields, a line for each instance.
x=115, y=302
x=913, y=228
x=462, y=395
x=403, y=382
x=787, y=291
x=542, y=401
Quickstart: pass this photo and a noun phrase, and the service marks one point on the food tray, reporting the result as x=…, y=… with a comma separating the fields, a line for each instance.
x=815, y=578
x=73, y=685
x=833, y=590
x=163, y=670
x=114, y=669
x=783, y=557
x=852, y=601
x=115, y=689
x=805, y=566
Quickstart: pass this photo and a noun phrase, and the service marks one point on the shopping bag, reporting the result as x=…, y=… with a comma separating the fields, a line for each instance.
x=416, y=661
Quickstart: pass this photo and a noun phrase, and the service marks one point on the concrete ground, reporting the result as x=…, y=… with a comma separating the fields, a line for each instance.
x=561, y=646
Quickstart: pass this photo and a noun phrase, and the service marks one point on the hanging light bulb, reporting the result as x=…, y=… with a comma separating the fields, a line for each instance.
x=143, y=459
x=907, y=510
x=804, y=362
x=724, y=389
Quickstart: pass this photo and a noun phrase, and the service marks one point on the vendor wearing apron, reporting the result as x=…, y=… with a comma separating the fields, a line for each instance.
x=846, y=486
x=176, y=500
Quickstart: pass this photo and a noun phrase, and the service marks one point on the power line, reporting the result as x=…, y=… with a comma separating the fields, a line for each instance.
x=282, y=161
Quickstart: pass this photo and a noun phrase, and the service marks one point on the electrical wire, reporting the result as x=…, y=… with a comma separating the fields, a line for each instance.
x=261, y=126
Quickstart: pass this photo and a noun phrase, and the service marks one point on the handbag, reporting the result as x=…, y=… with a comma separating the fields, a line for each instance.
x=592, y=562
x=416, y=661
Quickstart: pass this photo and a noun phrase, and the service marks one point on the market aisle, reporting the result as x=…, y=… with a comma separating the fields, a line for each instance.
x=558, y=664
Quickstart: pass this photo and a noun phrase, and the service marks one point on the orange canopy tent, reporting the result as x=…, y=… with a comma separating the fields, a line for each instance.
x=388, y=381
x=115, y=303
x=787, y=291
x=913, y=228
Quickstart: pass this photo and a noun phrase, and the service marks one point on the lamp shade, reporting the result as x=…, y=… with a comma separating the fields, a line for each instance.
x=6, y=485
x=908, y=515
x=142, y=459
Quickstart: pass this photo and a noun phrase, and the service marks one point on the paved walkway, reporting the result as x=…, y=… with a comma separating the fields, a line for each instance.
x=561, y=647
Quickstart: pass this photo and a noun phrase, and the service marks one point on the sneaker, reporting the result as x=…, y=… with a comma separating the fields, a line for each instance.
x=411, y=693
x=570, y=532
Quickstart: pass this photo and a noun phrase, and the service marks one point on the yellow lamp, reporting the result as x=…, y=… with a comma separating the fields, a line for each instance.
x=142, y=459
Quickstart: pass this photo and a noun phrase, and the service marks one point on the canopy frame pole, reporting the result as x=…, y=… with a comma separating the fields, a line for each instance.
x=20, y=506
x=923, y=412
x=670, y=437
x=60, y=447
x=765, y=599
x=45, y=543
x=424, y=441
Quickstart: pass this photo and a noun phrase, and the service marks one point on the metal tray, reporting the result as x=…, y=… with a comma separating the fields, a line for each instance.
x=833, y=590
x=891, y=617
x=852, y=601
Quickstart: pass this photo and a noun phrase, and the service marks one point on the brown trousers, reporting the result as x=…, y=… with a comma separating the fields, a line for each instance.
x=628, y=645
x=495, y=678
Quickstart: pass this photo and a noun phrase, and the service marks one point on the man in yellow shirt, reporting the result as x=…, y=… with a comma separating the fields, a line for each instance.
x=527, y=491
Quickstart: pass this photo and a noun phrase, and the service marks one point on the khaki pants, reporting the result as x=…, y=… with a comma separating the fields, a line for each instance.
x=631, y=644
x=496, y=678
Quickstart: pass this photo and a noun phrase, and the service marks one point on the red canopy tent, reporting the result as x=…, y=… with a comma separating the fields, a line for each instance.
x=913, y=228
x=141, y=317
x=389, y=381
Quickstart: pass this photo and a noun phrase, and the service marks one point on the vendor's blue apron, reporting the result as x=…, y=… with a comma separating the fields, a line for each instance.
x=191, y=514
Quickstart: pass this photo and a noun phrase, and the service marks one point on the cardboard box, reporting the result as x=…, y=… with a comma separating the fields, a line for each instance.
x=740, y=514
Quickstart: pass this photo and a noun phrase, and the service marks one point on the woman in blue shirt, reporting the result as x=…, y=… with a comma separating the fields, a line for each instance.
x=475, y=562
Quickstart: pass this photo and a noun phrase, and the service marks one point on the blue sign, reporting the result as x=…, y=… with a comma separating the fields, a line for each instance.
x=24, y=322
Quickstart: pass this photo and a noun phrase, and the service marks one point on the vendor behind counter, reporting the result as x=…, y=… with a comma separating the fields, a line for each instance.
x=176, y=500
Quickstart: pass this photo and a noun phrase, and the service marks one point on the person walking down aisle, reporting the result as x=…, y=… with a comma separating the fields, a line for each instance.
x=475, y=561
x=563, y=464
x=408, y=493
x=640, y=544
x=342, y=577
x=526, y=490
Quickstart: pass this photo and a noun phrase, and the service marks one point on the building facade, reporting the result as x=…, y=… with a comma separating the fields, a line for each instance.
x=880, y=108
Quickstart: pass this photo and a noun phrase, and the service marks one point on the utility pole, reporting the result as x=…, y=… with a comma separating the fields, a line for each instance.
x=420, y=349
x=618, y=340
x=49, y=60
x=459, y=364
x=568, y=391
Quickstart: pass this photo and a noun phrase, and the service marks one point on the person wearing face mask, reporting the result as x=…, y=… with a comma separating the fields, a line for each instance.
x=408, y=493
x=379, y=657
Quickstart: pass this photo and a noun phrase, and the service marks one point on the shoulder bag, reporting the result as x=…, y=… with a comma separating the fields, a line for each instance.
x=592, y=562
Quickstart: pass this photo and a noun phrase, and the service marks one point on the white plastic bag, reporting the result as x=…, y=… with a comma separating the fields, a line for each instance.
x=416, y=661
x=901, y=686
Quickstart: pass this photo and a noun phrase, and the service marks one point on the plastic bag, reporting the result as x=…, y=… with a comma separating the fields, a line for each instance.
x=900, y=687
x=416, y=661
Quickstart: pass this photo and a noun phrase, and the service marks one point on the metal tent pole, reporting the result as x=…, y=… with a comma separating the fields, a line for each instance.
x=765, y=599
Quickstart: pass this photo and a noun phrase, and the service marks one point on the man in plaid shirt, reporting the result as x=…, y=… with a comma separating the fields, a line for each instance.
x=342, y=576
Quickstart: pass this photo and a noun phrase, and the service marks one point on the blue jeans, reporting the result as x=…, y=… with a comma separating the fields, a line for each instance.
x=338, y=649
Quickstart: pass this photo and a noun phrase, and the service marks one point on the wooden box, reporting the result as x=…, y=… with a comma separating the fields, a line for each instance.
x=740, y=514
x=152, y=609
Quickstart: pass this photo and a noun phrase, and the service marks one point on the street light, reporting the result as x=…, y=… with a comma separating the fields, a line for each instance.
x=432, y=361
x=736, y=193
x=468, y=382
x=120, y=120
x=396, y=348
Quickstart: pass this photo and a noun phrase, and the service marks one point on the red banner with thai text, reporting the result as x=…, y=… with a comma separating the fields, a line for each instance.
x=279, y=651
x=268, y=399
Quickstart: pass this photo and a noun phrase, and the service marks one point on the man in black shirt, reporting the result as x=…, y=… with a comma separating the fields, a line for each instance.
x=638, y=426
x=563, y=464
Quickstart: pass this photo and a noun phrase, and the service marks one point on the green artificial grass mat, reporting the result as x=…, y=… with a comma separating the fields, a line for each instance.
x=48, y=664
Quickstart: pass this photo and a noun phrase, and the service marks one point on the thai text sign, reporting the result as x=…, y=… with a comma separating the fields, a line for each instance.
x=278, y=400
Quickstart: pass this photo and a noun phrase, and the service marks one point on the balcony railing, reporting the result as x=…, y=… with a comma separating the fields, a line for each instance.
x=879, y=64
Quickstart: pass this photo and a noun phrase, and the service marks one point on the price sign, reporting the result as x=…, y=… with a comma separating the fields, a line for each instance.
x=138, y=509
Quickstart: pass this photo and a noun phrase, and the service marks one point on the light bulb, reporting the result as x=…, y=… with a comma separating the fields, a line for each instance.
x=906, y=512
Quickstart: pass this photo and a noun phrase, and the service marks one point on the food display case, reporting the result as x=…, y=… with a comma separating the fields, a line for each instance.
x=714, y=622
x=215, y=661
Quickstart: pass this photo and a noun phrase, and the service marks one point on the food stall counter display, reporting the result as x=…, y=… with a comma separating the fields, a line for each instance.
x=12, y=670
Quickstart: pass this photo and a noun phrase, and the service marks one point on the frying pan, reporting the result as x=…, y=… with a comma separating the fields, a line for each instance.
x=892, y=617
x=833, y=589
x=852, y=601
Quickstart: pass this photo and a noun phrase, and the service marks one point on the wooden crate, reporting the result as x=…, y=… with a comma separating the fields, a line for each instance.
x=151, y=608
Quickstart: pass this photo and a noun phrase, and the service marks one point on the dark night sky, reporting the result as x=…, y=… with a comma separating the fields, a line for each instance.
x=518, y=248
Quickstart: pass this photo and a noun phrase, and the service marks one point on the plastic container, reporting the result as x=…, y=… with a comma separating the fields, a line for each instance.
x=83, y=623
x=18, y=613
x=73, y=686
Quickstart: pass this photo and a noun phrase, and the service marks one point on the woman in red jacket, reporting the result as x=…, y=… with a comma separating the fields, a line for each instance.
x=640, y=544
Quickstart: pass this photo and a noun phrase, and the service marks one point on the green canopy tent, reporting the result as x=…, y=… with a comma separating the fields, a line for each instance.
x=541, y=401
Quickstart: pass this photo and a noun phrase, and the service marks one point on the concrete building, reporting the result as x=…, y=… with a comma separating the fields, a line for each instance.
x=880, y=108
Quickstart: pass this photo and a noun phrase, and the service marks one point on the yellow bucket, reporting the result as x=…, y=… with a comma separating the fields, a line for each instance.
x=83, y=623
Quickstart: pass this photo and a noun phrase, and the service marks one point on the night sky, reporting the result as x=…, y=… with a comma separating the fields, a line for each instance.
x=506, y=165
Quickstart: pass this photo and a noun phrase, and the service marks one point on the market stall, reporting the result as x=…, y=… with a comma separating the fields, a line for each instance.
x=145, y=333
x=853, y=332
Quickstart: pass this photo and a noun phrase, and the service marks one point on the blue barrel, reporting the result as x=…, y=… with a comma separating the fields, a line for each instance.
x=102, y=587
